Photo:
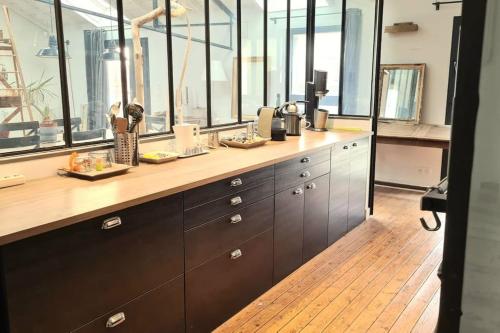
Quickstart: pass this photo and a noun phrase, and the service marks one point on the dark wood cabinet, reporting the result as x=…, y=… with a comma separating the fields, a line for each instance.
x=297, y=177
x=339, y=192
x=160, y=310
x=288, y=231
x=214, y=238
x=63, y=279
x=221, y=287
x=359, y=162
x=316, y=216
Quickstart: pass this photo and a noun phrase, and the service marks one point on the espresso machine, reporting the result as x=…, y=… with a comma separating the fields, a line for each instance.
x=314, y=92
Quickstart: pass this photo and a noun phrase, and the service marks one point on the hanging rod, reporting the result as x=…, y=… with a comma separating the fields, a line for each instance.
x=439, y=3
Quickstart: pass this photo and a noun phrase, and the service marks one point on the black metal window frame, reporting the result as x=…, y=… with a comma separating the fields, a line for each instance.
x=311, y=7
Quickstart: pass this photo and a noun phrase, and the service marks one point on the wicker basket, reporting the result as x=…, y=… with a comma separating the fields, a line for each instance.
x=126, y=148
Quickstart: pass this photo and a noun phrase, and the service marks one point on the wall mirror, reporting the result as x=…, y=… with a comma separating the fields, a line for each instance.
x=401, y=88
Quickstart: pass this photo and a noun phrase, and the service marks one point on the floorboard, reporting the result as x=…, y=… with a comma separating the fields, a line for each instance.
x=381, y=277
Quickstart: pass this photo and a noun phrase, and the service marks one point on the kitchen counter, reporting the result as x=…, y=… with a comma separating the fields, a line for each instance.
x=47, y=204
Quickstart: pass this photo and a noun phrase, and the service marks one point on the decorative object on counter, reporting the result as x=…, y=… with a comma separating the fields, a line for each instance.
x=187, y=138
x=12, y=180
x=158, y=157
x=213, y=140
x=176, y=10
x=314, y=92
x=242, y=141
x=401, y=27
x=278, y=134
x=96, y=165
x=266, y=115
x=293, y=119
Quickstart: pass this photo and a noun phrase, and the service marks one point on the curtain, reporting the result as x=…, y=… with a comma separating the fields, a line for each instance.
x=351, y=61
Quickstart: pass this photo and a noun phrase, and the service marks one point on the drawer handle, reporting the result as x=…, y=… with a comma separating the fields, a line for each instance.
x=298, y=191
x=311, y=186
x=236, y=201
x=354, y=144
x=115, y=320
x=236, y=254
x=346, y=147
x=236, y=182
x=236, y=219
x=305, y=174
x=111, y=223
x=306, y=160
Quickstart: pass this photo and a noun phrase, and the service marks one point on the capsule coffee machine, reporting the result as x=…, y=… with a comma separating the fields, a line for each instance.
x=314, y=92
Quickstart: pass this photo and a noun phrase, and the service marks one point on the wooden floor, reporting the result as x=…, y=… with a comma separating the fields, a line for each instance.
x=381, y=277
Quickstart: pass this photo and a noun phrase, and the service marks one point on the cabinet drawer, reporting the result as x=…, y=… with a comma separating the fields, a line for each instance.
x=161, y=310
x=227, y=205
x=297, y=177
x=214, y=238
x=210, y=192
x=218, y=289
x=65, y=278
x=303, y=161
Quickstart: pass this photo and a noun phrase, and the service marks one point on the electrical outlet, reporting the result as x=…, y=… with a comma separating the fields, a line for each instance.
x=12, y=180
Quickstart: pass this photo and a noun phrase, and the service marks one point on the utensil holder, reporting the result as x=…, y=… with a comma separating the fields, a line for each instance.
x=127, y=148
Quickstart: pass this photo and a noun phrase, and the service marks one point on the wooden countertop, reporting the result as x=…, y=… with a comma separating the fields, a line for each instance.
x=47, y=204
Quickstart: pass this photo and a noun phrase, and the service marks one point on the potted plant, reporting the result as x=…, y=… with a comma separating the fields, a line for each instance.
x=37, y=94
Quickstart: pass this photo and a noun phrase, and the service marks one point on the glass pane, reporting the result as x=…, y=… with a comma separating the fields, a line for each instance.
x=327, y=49
x=93, y=66
x=153, y=92
x=30, y=89
x=298, y=26
x=224, y=64
x=358, y=57
x=252, y=61
x=276, y=48
x=193, y=90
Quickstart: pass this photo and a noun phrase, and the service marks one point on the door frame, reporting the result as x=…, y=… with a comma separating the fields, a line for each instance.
x=461, y=161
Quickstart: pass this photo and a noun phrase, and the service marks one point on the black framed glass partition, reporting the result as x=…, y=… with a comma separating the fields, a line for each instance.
x=242, y=55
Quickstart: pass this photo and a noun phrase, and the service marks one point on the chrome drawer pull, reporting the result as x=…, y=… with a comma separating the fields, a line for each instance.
x=311, y=186
x=111, y=223
x=236, y=182
x=236, y=219
x=236, y=254
x=115, y=320
x=298, y=191
x=236, y=201
x=354, y=144
x=306, y=160
x=346, y=147
x=305, y=174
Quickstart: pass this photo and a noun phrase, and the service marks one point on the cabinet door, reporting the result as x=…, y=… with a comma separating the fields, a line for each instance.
x=339, y=192
x=316, y=216
x=359, y=159
x=288, y=231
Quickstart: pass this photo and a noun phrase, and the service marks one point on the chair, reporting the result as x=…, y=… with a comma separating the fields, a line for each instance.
x=22, y=141
x=89, y=135
x=76, y=123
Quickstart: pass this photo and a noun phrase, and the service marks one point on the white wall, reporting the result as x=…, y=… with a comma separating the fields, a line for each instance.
x=430, y=45
x=481, y=290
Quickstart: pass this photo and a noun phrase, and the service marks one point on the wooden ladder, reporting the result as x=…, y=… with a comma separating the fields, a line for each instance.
x=16, y=94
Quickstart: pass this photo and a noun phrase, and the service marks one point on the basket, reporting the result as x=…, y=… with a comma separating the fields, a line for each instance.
x=126, y=148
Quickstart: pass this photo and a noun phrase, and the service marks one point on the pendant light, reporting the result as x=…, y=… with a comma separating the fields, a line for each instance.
x=52, y=50
x=112, y=51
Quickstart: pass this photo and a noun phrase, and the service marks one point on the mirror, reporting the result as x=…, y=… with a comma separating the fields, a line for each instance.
x=401, y=88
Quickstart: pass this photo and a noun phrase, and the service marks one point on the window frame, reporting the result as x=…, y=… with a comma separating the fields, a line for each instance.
x=311, y=4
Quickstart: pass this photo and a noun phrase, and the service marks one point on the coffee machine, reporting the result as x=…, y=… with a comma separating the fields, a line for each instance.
x=314, y=92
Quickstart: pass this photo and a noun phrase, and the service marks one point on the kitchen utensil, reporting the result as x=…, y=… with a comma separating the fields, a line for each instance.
x=187, y=137
x=293, y=123
x=127, y=148
x=320, y=119
x=114, y=110
x=136, y=112
x=121, y=125
x=278, y=134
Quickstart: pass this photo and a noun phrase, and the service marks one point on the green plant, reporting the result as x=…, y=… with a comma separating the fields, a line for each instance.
x=37, y=94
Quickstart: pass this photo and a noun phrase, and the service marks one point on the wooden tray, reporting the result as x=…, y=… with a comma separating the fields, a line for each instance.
x=115, y=170
x=236, y=144
x=172, y=157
